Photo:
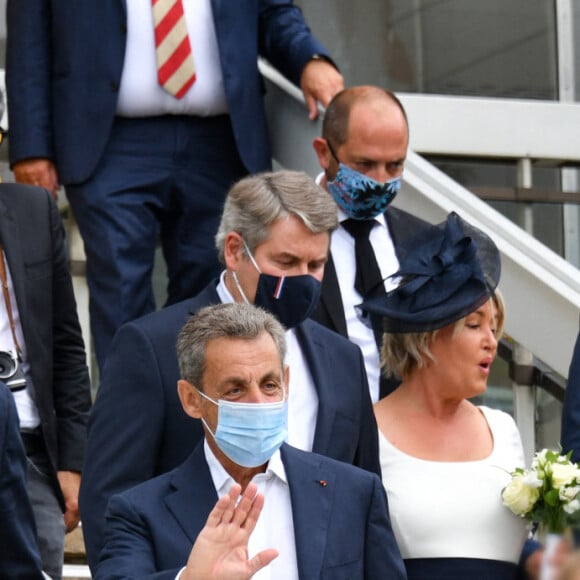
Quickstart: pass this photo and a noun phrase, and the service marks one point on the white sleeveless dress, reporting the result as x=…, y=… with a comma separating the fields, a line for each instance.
x=454, y=509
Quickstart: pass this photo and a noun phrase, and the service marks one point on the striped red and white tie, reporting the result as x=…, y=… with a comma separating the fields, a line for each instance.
x=175, y=66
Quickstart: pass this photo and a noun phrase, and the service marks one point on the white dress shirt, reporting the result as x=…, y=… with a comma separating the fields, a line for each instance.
x=302, y=395
x=275, y=527
x=140, y=94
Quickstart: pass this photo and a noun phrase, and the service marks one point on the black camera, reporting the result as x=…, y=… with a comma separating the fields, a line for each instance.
x=11, y=371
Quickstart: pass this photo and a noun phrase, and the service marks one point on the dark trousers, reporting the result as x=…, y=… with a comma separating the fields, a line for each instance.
x=161, y=176
x=46, y=507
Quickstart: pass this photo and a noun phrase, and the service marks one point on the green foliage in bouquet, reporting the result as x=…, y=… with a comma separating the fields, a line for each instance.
x=548, y=493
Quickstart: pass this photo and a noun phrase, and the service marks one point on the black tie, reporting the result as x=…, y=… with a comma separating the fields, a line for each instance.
x=368, y=282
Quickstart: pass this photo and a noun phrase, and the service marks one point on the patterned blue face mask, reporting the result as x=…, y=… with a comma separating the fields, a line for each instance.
x=361, y=197
x=249, y=433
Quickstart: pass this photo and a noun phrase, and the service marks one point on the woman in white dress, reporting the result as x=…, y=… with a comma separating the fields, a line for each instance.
x=445, y=461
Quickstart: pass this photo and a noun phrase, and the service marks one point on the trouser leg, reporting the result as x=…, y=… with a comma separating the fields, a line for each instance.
x=48, y=515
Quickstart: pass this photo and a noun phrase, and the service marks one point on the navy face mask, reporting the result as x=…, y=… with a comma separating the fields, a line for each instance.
x=291, y=299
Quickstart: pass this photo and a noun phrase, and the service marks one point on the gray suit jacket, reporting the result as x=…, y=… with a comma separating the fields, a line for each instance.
x=32, y=235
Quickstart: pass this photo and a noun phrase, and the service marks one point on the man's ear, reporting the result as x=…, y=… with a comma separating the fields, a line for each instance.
x=190, y=399
x=322, y=152
x=233, y=250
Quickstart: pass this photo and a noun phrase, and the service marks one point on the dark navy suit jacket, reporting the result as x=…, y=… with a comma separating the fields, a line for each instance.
x=571, y=410
x=63, y=71
x=32, y=235
x=138, y=429
x=342, y=530
x=19, y=552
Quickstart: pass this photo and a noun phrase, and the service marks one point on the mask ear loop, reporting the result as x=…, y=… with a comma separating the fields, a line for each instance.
x=235, y=275
x=202, y=419
x=252, y=259
x=239, y=287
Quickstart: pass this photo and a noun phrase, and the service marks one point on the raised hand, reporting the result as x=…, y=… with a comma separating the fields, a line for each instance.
x=221, y=549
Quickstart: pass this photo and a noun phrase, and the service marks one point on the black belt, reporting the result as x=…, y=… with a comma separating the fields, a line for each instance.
x=33, y=442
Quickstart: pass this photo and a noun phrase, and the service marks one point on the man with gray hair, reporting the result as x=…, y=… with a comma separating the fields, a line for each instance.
x=273, y=240
x=320, y=517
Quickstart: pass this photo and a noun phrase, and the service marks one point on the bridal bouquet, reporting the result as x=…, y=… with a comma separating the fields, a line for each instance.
x=548, y=493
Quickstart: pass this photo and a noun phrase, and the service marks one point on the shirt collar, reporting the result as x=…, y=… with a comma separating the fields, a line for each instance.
x=223, y=481
x=222, y=290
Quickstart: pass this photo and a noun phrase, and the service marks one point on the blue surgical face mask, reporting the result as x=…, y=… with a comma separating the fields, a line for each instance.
x=291, y=299
x=361, y=197
x=249, y=433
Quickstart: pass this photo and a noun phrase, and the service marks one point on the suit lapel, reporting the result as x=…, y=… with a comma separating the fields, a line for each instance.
x=331, y=300
x=194, y=494
x=10, y=238
x=319, y=363
x=311, y=493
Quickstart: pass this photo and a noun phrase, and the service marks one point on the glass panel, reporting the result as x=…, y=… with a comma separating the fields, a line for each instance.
x=546, y=217
x=457, y=47
x=548, y=420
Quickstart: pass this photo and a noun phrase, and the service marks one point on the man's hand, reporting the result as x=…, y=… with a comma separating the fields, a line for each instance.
x=319, y=82
x=41, y=172
x=221, y=549
x=70, y=482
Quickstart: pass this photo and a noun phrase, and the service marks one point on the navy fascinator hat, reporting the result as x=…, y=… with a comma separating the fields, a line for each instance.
x=448, y=271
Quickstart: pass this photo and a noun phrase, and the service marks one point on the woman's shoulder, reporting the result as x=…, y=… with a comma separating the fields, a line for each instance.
x=506, y=436
x=498, y=418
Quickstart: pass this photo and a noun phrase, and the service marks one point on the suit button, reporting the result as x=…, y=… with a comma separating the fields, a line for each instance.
x=115, y=87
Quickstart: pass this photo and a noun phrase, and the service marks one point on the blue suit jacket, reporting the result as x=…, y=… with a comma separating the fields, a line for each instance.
x=19, y=551
x=571, y=411
x=342, y=530
x=138, y=429
x=64, y=62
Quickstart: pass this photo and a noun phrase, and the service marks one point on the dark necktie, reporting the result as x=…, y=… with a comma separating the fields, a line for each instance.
x=368, y=282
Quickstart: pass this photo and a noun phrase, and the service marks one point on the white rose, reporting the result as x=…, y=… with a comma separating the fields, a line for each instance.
x=572, y=507
x=569, y=493
x=519, y=497
x=539, y=459
x=531, y=479
x=563, y=474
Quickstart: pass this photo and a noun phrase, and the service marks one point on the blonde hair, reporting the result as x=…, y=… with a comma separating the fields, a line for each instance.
x=402, y=353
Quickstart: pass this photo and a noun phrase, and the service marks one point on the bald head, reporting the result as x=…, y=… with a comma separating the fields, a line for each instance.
x=366, y=129
x=384, y=104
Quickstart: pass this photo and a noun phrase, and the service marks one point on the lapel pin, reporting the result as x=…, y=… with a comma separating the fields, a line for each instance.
x=322, y=483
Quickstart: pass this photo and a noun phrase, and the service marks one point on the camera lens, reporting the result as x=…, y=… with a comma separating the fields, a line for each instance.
x=7, y=365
